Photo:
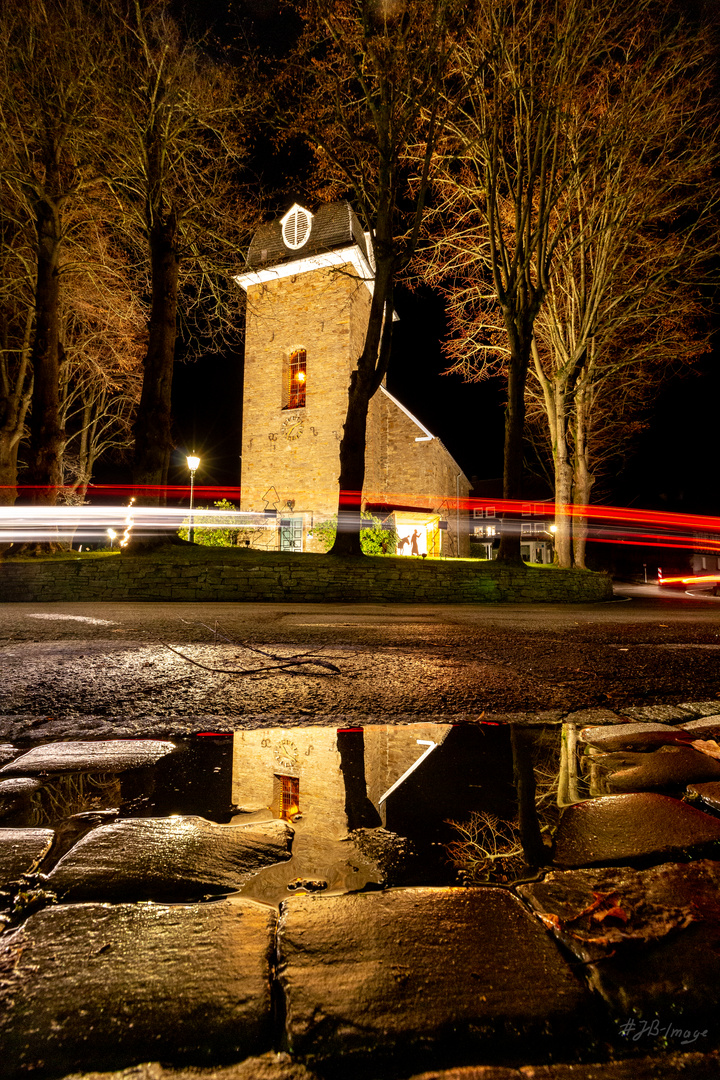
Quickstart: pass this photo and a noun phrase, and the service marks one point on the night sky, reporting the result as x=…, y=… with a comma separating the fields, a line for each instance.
x=674, y=465
x=468, y=418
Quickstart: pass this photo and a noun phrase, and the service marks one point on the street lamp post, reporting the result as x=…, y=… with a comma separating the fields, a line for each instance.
x=192, y=463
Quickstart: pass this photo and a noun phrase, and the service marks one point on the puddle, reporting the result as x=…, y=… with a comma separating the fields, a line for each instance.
x=195, y=778
x=418, y=804
x=368, y=806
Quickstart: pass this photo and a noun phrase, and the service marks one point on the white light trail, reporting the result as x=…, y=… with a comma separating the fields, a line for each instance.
x=32, y=524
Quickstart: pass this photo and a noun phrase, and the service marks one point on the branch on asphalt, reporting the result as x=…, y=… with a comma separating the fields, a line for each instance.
x=253, y=648
x=290, y=662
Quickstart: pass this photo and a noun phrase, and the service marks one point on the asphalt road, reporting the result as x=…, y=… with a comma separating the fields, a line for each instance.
x=105, y=668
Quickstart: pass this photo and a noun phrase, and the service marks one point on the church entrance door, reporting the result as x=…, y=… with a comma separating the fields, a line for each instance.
x=291, y=534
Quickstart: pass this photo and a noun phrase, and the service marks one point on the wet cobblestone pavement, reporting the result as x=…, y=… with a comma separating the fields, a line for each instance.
x=273, y=904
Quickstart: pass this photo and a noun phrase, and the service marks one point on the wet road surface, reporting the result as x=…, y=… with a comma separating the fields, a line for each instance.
x=189, y=664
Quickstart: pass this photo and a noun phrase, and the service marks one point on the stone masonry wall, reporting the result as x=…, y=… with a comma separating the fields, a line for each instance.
x=293, y=454
x=296, y=451
x=220, y=575
x=412, y=473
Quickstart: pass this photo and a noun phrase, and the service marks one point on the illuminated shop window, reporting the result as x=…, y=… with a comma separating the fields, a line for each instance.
x=297, y=380
x=289, y=797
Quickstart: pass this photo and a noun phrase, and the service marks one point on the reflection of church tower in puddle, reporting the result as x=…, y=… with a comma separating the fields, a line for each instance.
x=327, y=781
x=309, y=282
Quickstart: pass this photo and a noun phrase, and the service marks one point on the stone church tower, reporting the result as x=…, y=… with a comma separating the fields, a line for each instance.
x=309, y=282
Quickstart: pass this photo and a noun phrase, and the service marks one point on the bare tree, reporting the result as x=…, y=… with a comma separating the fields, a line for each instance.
x=574, y=214
x=366, y=84
x=56, y=65
x=104, y=338
x=176, y=173
x=510, y=167
x=17, y=282
x=623, y=309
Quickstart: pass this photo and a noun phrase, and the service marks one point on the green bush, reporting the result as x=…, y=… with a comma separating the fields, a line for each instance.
x=212, y=532
x=374, y=538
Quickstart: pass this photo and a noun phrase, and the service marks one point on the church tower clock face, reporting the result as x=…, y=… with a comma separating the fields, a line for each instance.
x=286, y=754
x=292, y=427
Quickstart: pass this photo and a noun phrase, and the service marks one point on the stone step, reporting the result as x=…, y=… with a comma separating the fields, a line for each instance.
x=93, y=986
x=20, y=849
x=709, y=793
x=422, y=975
x=669, y=767
x=624, y=828
x=167, y=858
x=707, y=727
x=673, y=1066
x=647, y=941
x=632, y=736
x=112, y=755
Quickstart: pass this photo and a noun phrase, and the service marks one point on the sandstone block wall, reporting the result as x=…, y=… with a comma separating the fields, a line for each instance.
x=232, y=574
x=401, y=471
x=296, y=451
x=309, y=754
x=290, y=457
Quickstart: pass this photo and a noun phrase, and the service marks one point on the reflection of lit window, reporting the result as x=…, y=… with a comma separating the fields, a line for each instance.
x=289, y=797
x=490, y=530
x=297, y=380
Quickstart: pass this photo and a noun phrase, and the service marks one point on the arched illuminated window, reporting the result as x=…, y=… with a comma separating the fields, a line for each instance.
x=296, y=226
x=297, y=380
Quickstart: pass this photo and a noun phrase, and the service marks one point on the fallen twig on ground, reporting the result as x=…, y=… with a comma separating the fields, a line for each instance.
x=289, y=662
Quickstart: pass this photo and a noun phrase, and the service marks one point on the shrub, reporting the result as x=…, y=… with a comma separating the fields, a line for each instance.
x=213, y=532
x=375, y=538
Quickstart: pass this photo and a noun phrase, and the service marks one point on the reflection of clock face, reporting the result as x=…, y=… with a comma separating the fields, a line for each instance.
x=286, y=754
x=292, y=427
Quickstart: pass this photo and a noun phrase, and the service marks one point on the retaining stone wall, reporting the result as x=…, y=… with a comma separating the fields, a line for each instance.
x=254, y=576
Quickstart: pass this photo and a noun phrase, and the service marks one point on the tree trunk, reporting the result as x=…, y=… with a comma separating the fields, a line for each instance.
x=554, y=392
x=47, y=437
x=8, y=467
x=520, y=345
x=15, y=400
x=524, y=777
x=364, y=382
x=563, y=482
x=153, y=443
x=352, y=469
x=582, y=477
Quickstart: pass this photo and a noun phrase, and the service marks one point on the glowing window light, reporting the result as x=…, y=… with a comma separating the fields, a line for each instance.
x=298, y=380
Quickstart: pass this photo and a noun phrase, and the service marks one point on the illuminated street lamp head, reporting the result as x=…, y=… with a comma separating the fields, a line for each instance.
x=193, y=463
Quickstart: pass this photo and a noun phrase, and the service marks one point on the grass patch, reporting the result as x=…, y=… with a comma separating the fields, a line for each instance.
x=60, y=556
